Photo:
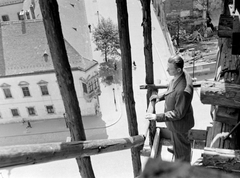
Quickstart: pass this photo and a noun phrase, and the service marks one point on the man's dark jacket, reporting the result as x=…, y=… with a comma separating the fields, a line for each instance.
x=178, y=111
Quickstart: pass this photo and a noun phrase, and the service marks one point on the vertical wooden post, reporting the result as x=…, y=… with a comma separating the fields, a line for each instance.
x=125, y=46
x=147, y=34
x=64, y=76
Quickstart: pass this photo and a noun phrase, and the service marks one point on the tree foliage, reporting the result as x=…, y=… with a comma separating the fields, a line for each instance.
x=106, y=38
x=111, y=72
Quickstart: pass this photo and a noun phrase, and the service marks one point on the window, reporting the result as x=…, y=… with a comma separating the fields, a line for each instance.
x=90, y=87
x=24, y=85
x=44, y=90
x=25, y=91
x=84, y=88
x=5, y=18
x=31, y=111
x=21, y=15
x=96, y=84
x=43, y=87
x=7, y=92
x=15, y=112
x=50, y=109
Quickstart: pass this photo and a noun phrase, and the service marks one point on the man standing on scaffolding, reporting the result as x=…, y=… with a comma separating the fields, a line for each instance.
x=178, y=112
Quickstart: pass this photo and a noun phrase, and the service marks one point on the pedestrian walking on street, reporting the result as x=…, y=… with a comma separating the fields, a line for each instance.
x=134, y=65
x=29, y=124
x=178, y=111
x=90, y=28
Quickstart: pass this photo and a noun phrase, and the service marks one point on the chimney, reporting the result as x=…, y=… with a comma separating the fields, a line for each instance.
x=22, y=18
x=32, y=11
x=21, y=15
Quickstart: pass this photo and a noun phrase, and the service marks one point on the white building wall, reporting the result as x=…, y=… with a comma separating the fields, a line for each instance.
x=39, y=102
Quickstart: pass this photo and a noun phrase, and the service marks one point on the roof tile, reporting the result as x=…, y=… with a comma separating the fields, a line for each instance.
x=23, y=52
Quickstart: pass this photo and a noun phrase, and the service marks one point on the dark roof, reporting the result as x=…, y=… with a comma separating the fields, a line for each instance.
x=23, y=53
x=10, y=2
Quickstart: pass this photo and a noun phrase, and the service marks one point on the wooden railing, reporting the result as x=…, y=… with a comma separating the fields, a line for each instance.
x=22, y=155
x=156, y=142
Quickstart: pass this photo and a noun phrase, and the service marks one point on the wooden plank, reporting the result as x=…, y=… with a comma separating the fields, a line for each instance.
x=224, y=159
x=209, y=136
x=155, y=147
x=22, y=155
x=196, y=134
x=163, y=86
x=151, y=109
x=219, y=93
x=197, y=137
x=216, y=129
x=156, y=168
x=226, y=115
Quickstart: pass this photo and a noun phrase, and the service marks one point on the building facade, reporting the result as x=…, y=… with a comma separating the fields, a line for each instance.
x=27, y=79
x=37, y=96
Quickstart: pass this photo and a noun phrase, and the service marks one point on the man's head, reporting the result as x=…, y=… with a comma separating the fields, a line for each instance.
x=175, y=65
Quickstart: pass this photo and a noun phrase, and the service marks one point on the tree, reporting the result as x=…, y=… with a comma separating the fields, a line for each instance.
x=111, y=72
x=106, y=38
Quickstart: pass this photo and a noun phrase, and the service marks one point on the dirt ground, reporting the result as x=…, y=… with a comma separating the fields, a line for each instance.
x=203, y=51
x=202, y=45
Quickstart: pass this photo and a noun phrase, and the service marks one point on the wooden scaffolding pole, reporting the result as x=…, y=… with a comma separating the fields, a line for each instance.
x=22, y=155
x=125, y=46
x=64, y=76
x=147, y=35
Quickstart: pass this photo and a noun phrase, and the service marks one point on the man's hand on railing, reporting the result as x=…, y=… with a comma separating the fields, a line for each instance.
x=156, y=117
x=151, y=116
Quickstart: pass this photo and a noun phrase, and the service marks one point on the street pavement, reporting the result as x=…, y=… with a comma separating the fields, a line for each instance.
x=112, y=123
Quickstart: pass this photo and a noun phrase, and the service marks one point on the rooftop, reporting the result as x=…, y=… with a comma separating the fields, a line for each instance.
x=10, y=2
x=23, y=51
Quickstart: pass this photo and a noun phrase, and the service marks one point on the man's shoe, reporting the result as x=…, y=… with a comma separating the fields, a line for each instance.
x=170, y=150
